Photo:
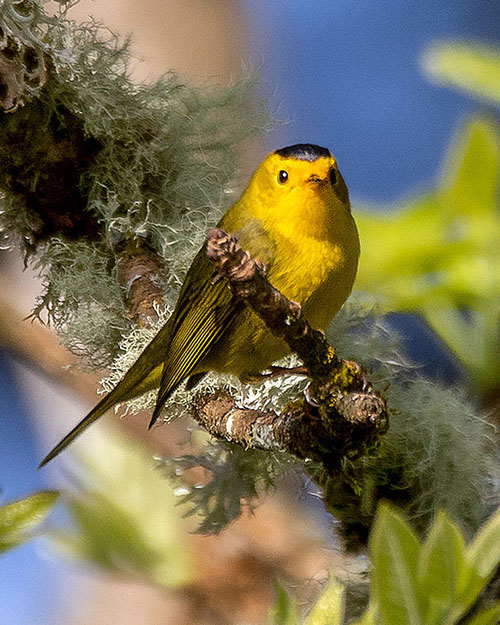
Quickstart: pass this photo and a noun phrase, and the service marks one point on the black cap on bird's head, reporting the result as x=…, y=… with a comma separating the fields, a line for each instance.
x=304, y=152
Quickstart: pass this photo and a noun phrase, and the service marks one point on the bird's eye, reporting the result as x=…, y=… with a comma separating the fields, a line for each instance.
x=283, y=176
x=333, y=176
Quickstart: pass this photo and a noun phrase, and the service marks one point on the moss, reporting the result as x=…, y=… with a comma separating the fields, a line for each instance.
x=88, y=313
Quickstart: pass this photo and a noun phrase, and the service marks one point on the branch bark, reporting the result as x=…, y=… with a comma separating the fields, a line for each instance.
x=344, y=415
x=139, y=272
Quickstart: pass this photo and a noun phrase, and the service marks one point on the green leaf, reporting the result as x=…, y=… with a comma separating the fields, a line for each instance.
x=489, y=616
x=329, y=608
x=484, y=552
x=474, y=68
x=284, y=610
x=444, y=572
x=19, y=519
x=442, y=562
x=470, y=178
x=440, y=253
x=394, y=550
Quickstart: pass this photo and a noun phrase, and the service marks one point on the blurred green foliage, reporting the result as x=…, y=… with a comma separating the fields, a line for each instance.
x=125, y=518
x=435, y=581
x=439, y=253
x=328, y=609
x=472, y=67
x=20, y=519
x=285, y=610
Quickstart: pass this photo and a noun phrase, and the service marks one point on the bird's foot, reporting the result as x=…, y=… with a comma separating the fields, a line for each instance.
x=272, y=372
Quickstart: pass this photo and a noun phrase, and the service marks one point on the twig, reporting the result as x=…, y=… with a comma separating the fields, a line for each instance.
x=139, y=272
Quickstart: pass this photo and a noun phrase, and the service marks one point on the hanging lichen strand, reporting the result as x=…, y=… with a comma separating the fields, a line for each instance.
x=99, y=171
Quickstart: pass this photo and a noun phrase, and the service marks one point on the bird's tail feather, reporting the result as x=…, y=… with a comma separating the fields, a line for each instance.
x=138, y=379
x=103, y=406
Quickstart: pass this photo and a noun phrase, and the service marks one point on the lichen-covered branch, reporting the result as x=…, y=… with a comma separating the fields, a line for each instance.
x=139, y=272
x=297, y=430
x=45, y=155
x=345, y=415
x=107, y=184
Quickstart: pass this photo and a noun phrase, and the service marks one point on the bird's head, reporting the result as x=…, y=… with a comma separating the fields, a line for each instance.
x=298, y=185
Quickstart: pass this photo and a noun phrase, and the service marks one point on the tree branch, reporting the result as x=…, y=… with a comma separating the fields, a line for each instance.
x=139, y=272
x=345, y=416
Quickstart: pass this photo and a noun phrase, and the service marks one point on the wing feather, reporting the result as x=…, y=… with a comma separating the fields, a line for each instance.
x=203, y=313
x=205, y=310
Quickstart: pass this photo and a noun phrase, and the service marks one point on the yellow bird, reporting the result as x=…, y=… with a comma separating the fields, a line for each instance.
x=294, y=216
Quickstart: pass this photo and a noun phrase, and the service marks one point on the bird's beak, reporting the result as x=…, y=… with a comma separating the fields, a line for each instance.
x=315, y=179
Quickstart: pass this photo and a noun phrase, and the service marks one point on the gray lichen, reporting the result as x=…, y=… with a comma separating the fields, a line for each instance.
x=161, y=168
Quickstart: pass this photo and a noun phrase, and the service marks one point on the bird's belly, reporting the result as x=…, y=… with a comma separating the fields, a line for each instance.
x=320, y=279
x=327, y=299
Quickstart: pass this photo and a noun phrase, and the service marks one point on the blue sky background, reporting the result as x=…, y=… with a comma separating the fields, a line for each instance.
x=347, y=75
x=29, y=584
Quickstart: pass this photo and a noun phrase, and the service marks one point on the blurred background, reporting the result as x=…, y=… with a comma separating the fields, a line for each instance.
x=353, y=77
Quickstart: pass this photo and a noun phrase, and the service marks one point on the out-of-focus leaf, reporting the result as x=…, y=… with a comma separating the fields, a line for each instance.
x=125, y=516
x=490, y=616
x=368, y=617
x=444, y=573
x=394, y=550
x=472, y=67
x=284, y=610
x=442, y=244
x=329, y=607
x=19, y=519
x=484, y=552
x=431, y=583
x=439, y=254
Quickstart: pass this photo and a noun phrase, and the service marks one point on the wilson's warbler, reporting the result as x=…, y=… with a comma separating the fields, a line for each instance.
x=294, y=216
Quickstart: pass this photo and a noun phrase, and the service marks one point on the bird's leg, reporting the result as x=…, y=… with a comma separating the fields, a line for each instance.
x=273, y=372
x=277, y=371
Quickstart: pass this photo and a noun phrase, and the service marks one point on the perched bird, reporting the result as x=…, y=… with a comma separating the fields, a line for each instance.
x=295, y=217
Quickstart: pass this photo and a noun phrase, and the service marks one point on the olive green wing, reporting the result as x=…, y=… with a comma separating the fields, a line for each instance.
x=203, y=313
x=206, y=310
